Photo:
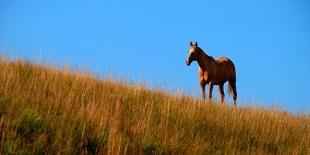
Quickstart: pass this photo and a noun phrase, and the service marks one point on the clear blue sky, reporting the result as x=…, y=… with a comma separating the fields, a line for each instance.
x=268, y=40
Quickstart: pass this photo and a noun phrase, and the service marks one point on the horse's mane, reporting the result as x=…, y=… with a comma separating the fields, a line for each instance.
x=210, y=58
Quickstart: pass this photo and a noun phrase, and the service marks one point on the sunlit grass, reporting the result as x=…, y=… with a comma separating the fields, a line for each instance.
x=57, y=111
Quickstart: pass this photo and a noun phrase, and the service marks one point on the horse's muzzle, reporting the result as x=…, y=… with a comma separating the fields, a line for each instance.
x=187, y=62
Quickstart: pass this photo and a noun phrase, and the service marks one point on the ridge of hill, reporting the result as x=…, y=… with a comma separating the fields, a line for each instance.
x=47, y=110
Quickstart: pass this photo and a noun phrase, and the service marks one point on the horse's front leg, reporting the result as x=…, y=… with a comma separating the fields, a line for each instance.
x=210, y=91
x=203, y=86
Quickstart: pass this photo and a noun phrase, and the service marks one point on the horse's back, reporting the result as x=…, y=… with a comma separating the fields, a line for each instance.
x=227, y=62
x=224, y=59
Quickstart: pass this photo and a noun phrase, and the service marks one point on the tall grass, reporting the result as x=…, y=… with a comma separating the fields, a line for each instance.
x=45, y=110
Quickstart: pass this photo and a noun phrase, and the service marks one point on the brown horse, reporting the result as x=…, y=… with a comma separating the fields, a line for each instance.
x=213, y=72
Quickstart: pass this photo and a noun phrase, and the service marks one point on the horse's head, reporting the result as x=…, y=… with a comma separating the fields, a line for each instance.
x=193, y=53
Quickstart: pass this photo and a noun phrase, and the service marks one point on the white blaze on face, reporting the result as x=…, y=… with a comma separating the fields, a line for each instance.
x=191, y=51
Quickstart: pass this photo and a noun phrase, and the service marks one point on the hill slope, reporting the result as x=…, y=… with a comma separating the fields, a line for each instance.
x=57, y=111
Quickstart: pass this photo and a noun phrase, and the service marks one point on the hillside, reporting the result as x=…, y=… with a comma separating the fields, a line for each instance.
x=57, y=111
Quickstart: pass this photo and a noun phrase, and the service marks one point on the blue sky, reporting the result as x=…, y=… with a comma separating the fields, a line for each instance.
x=148, y=41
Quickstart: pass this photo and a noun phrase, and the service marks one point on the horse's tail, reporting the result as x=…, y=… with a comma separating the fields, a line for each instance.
x=232, y=81
x=230, y=89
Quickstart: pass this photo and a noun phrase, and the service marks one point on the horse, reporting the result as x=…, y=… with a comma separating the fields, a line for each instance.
x=213, y=72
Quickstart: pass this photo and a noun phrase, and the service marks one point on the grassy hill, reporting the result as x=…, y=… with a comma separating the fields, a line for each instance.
x=57, y=111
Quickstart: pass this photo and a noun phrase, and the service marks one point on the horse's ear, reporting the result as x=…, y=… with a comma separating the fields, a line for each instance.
x=196, y=44
x=191, y=44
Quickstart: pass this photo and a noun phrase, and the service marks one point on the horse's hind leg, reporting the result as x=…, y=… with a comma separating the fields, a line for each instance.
x=221, y=89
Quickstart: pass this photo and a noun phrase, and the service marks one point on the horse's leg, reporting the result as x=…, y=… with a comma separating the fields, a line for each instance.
x=210, y=91
x=221, y=89
x=235, y=93
x=203, y=86
x=233, y=86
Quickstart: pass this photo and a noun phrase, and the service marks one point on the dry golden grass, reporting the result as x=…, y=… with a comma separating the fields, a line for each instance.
x=45, y=110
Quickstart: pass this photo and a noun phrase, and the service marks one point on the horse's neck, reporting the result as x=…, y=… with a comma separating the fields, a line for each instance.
x=204, y=60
